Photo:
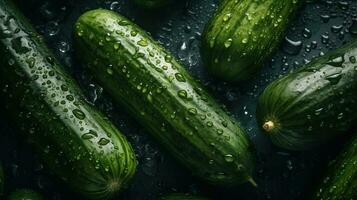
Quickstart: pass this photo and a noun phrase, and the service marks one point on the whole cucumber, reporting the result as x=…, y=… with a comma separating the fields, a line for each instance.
x=310, y=106
x=154, y=88
x=340, y=182
x=78, y=144
x=243, y=34
x=24, y=194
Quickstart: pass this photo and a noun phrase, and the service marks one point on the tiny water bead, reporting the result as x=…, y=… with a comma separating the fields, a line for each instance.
x=79, y=114
x=228, y=42
x=103, y=141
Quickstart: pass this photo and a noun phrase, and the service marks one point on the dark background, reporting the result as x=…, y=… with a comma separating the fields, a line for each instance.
x=320, y=26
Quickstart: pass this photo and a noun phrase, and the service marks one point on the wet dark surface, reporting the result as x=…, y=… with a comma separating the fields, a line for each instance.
x=318, y=28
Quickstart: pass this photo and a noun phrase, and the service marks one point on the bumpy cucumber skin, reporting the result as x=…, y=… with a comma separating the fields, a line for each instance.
x=180, y=196
x=152, y=4
x=155, y=89
x=340, y=182
x=2, y=180
x=78, y=144
x=24, y=194
x=313, y=104
x=242, y=35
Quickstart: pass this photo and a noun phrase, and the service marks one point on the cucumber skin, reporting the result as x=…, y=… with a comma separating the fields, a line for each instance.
x=180, y=196
x=2, y=179
x=294, y=101
x=152, y=4
x=48, y=107
x=341, y=180
x=253, y=37
x=189, y=124
x=24, y=194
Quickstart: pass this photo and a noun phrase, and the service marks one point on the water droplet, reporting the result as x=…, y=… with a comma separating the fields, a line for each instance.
x=334, y=78
x=91, y=134
x=192, y=111
x=228, y=158
x=325, y=39
x=325, y=18
x=292, y=47
x=318, y=111
x=227, y=17
x=124, y=23
x=103, y=141
x=114, y=5
x=336, y=28
x=142, y=43
x=306, y=33
x=336, y=61
x=110, y=71
x=79, y=114
x=224, y=123
x=179, y=77
x=182, y=94
x=168, y=58
x=63, y=47
x=228, y=43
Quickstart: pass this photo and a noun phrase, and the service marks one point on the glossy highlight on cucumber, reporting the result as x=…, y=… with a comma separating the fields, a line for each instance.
x=243, y=34
x=75, y=141
x=310, y=106
x=154, y=88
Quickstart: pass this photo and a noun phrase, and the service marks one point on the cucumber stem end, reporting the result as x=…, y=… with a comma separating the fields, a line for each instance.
x=268, y=126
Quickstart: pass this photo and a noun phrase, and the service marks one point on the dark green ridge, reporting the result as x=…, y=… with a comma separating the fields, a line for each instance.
x=77, y=143
x=154, y=88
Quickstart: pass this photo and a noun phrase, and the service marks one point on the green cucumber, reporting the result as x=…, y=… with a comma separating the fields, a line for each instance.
x=154, y=88
x=308, y=107
x=78, y=144
x=24, y=194
x=340, y=182
x=152, y=4
x=180, y=196
x=242, y=35
x=2, y=180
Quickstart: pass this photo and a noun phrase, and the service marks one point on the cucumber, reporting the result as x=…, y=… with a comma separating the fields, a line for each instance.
x=340, y=182
x=2, y=180
x=77, y=142
x=180, y=196
x=243, y=34
x=154, y=88
x=24, y=194
x=308, y=107
x=152, y=4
